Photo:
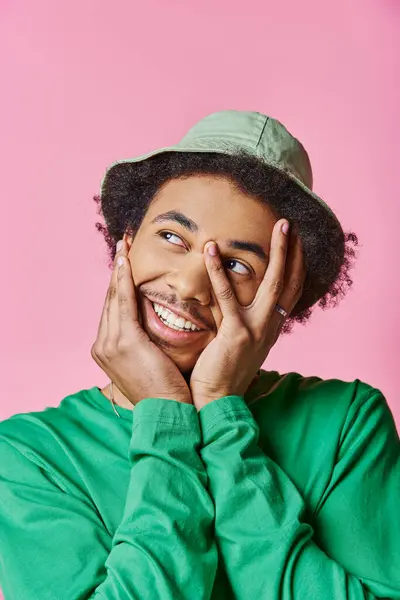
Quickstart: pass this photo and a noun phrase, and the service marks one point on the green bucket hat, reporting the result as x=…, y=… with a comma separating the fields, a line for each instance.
x=229, y=131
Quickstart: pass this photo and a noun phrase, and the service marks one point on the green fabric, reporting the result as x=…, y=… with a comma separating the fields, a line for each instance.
x=261, y=136
x=292, y=493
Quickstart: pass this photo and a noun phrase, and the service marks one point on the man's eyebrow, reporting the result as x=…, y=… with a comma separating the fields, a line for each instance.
x=178, y=217
x=249, y=247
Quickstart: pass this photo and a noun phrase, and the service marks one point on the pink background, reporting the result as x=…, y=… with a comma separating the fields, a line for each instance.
x=85, y=83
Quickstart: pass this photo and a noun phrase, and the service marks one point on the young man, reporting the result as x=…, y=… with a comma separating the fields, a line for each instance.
x=195, y=474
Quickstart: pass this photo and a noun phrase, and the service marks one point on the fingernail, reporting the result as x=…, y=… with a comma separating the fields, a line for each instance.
x=285, y=227
x=212, y=249
x=120, y=261
x=119, y=245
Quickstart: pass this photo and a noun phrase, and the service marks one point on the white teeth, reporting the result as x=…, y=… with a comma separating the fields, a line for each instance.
x=172, y=320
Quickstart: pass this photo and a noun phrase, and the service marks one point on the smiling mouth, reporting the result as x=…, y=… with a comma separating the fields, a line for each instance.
x=172, y=320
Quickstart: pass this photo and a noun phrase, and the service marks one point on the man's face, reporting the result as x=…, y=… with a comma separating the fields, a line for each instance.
x=168, y=265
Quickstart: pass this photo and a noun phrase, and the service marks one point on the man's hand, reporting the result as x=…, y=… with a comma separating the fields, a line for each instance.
x=230, y=362
x=124, y=350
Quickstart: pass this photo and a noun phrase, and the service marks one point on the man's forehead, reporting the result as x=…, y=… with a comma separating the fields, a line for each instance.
x=215, y=197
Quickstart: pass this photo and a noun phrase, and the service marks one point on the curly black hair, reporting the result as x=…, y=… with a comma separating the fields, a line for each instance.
x=328, y=251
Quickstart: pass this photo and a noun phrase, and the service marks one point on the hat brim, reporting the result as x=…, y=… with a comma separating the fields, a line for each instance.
x=227, y=149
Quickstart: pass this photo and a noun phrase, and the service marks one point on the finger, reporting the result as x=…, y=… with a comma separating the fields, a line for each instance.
x=113, y=322
x=127, y=303
x=103, y=325
x=293, y=287
x=295, y=275
x=271, y=287
x=221, y=285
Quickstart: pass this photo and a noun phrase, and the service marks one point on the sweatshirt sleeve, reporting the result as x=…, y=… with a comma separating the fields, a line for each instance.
x=54, y=546
x=268, y=549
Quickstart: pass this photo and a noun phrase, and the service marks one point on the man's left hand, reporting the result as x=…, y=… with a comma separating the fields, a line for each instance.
x=229, y=363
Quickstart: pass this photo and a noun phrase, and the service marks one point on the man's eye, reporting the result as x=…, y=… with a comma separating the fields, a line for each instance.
x=167, y=235
x=238, y=267
x=233, y=265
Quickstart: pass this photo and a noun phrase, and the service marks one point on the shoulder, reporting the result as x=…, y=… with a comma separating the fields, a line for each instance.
x=308, y=424
x=301, y=416
x=291, y=395
x=36, y=434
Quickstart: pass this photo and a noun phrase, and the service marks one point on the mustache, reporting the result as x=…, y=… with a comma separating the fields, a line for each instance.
x=171, y=300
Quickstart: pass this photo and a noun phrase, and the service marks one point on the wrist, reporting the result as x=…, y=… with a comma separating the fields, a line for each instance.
x=202, y=399
x=181, y=397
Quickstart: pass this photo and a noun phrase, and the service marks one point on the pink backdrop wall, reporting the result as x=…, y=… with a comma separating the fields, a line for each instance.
x=84, y=83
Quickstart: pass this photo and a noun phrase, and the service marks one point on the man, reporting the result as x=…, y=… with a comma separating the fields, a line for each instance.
x=196, y=474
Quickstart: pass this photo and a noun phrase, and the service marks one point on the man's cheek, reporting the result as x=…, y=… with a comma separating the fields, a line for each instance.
x=147, y=269
x=245, y=292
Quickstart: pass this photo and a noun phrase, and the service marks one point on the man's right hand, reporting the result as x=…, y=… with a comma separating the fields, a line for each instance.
x=124, y=351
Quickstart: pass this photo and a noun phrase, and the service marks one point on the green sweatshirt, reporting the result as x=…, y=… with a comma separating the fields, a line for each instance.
x=292, y=493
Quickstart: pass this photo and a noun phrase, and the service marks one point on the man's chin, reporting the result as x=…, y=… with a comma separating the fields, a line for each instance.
x=185, y=364
x=185, y=361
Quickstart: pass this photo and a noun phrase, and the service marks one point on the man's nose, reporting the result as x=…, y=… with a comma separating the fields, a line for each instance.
x=190, y=281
